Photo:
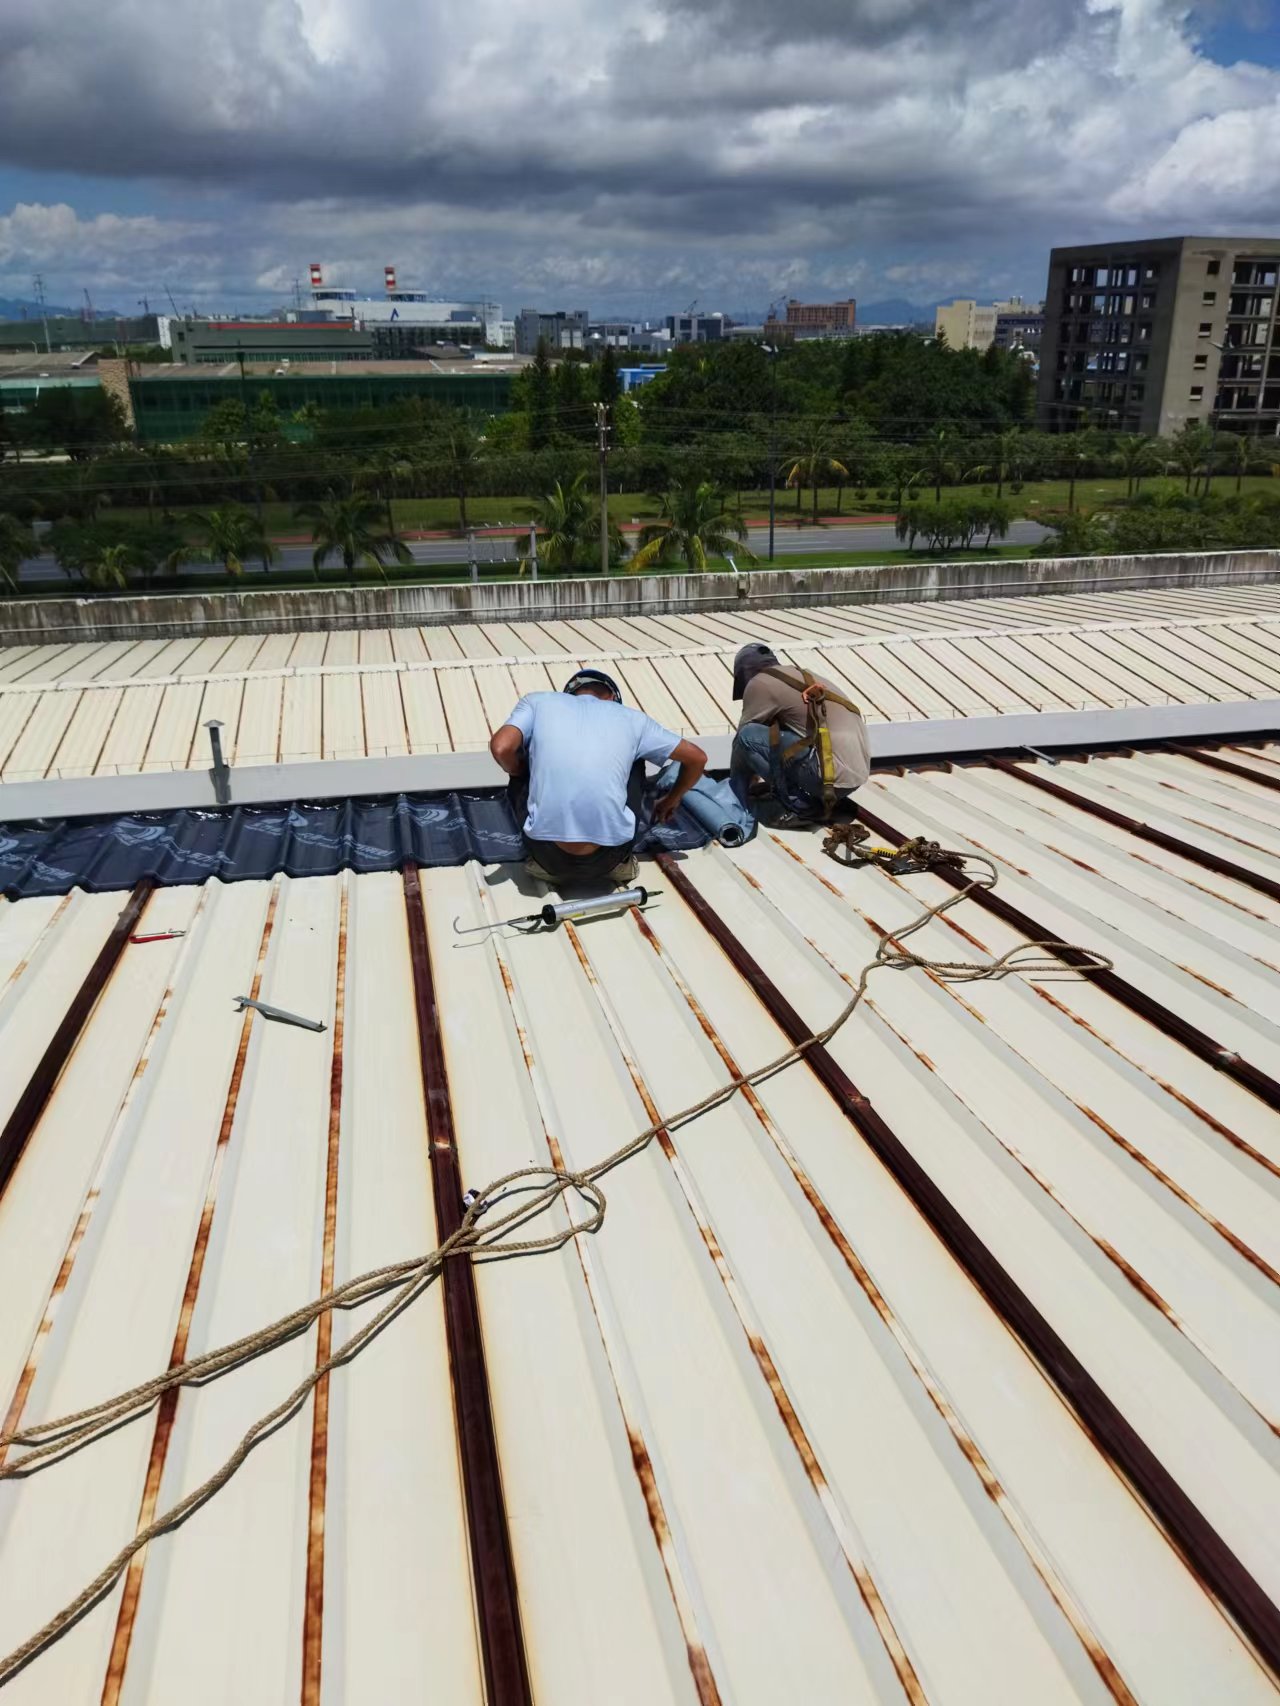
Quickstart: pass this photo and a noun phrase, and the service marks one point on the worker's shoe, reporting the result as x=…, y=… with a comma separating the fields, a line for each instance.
x=624, y=873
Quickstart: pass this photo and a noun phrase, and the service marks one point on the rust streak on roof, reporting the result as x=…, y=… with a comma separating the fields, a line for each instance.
x=313, y=1616
x=167, y=1409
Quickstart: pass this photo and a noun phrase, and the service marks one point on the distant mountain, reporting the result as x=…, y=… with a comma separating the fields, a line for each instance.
x=19, y=308
x=22, y=308
x=895, y=312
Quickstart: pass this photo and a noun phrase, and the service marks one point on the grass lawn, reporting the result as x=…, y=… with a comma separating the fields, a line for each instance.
x=1039, y=497
x=1036, y=496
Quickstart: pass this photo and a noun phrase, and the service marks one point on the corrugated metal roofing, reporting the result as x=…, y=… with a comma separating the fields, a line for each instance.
x=760, y=1439
x=122, y=707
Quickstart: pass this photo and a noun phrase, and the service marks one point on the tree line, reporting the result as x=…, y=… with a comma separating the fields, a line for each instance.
x=880, y=422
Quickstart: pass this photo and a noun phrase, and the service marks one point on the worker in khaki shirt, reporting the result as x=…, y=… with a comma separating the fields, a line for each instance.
x=776, y=764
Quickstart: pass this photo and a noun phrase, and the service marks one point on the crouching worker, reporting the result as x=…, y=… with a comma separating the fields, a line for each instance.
x=576, y=761
x=801, y=745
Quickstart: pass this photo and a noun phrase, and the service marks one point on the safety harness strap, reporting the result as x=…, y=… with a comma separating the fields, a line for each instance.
x=818, y=734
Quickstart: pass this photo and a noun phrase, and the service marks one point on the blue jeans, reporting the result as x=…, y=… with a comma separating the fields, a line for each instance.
x=753, y=755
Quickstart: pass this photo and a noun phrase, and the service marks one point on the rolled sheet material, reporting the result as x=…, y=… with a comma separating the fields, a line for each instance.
x=711, y=815
x=714, y=807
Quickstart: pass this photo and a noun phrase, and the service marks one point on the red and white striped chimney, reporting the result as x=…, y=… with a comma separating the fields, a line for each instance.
x=389, y=273
x=317, y=277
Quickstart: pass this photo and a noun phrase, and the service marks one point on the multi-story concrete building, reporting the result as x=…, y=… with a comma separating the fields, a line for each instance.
x=563, y=328
x=627, y=335
x=977, y=325
x=1145, y=336
x=815, y=319
x=697, y=328
x=965, y=324
x=1019, y=325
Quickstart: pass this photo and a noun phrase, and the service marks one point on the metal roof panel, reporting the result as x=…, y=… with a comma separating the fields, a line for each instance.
x=761, y=1437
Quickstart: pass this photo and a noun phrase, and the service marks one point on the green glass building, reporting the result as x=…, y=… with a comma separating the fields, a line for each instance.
x=171, y=403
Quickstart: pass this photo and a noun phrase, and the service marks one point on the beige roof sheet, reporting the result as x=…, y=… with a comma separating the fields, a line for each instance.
x=77, y=710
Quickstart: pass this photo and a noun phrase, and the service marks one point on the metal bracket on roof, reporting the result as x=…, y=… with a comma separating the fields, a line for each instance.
x=220, y=774
x=739, y=585
x=1036, y=753
x=278, y=1013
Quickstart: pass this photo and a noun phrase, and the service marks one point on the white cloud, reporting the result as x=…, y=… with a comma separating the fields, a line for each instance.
x=107, y=248
x=624, y=146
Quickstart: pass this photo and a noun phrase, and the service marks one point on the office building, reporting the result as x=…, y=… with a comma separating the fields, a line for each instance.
x=697, y=328
x=1148, y=335
x=1019, y=325
x=170, y=403
x=71, y=332
x=815, y=320
x=560, y=329
x=632, y=378
x=966, y=324
x=626, y=336
x=977, y=325
x=217, y=342
x=411, y=317
x=25, y=377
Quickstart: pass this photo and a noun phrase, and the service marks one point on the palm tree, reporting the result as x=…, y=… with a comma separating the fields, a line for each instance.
x=1007, y=462
x=463, y=451
x=814, y=458
x=17, y=543
x=1189, y=450
x=567, y=521
x=1135, y=455
x=110, y=565
x=1079, y=452
x=937, y=457
x=694, y=524
x=231, y=535
x=1239, y=456
x=351, y=528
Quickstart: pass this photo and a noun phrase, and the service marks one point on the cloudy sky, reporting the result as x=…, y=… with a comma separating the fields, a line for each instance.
x=624, y=155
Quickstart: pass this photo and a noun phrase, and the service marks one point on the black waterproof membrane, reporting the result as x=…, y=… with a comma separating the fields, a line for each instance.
x=304, y=839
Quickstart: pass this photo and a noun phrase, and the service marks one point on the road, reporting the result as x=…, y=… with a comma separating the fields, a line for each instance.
x=497, y=547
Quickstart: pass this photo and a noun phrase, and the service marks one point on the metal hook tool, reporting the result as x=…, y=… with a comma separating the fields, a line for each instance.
x=278, y=1013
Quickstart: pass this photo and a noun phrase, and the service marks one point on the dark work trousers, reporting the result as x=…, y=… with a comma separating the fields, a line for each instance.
x=564, y=867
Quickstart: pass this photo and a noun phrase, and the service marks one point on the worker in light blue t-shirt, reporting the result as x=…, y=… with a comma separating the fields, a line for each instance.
x=576, y=761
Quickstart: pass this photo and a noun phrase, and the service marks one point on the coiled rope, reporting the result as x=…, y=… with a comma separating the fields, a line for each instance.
x=481, y=1236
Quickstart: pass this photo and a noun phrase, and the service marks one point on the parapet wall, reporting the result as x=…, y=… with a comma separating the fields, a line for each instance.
x=236, y=611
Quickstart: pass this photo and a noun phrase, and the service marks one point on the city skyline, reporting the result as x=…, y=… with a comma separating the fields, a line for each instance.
x=626, y=159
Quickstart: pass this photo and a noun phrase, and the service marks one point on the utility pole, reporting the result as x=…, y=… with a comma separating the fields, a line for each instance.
x=771, y=351
x=602, y=444
x=44, y=318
